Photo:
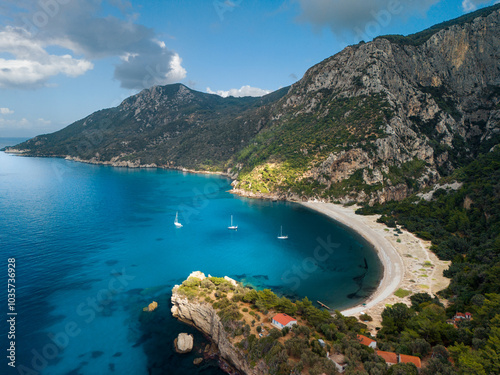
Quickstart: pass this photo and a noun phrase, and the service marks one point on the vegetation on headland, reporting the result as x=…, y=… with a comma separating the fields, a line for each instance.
x=464, y=226
x=421, y=330
x=279, y=158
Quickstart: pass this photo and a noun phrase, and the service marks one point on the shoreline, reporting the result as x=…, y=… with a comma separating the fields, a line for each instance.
x=400, y=260
x=407, y=260
x=392, y=262
x=118, y=164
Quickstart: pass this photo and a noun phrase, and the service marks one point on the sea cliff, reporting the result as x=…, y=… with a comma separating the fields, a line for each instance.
x=243, y=324
x=202, y=315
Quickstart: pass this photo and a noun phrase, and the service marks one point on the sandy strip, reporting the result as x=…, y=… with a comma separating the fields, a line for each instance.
x=408, y=262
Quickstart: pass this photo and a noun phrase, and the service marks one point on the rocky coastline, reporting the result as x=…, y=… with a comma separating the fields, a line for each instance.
x=203, y=317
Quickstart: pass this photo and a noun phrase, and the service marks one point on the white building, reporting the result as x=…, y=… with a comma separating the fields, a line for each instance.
x=339, y=361
x=282, y=320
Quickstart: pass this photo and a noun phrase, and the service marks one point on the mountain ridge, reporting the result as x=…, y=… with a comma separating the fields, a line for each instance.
x=373, y=123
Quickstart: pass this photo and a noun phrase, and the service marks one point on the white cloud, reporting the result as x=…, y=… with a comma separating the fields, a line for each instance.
x=471, y=5
x=13, y=127
x=362, y=18
x=177, y=72
x=140, y=71
x=78, y=27
x=31, y=64
x=44, y=122
x=6, y=111
x=19, y=124
x=243, y=91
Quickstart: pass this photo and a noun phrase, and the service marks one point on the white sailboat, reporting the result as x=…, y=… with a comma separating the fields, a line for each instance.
x=281, y=237
x=176, y=222
x=232, y=227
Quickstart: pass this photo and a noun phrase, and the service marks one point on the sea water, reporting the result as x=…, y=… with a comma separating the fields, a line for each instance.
x=93, y=245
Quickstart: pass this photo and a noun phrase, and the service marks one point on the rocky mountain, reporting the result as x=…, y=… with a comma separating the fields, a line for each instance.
x=373, y=123
x=166, y=126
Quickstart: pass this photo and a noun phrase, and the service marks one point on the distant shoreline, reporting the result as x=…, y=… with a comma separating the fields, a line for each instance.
x=392, y=262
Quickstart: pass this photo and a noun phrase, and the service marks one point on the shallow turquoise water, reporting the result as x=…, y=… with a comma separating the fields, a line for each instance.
x=89, y=239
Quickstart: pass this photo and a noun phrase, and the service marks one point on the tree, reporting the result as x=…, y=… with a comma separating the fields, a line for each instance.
x=435, y=366
x=420, y=347
x=286, y=306
x=394, y=318
x=418, y=299
x=403, y=369
x=470, y=363
x=439, y=351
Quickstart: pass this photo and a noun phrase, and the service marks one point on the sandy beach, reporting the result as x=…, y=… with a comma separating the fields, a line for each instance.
x=408, y=262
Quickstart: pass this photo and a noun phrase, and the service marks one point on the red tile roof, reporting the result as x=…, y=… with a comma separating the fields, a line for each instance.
x=365, y=340
x=389, y=357
x=403, y=358
x=283, y=319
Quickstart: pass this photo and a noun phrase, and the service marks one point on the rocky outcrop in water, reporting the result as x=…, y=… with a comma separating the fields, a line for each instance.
x=183, y=343
x=202, y=316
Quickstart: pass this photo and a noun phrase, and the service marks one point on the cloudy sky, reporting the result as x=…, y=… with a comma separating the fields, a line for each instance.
x=61, y=60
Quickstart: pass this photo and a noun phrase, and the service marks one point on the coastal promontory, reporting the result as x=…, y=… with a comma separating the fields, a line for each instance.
x=257, y=332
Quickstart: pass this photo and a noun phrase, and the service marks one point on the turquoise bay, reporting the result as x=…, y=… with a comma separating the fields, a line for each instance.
x=95, y=244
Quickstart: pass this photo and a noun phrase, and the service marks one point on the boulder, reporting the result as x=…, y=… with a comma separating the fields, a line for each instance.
x=151, y=307
x=197, y=361
x=183, y=343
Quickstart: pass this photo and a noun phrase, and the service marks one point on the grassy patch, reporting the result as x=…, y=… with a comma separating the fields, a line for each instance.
x=402, y=293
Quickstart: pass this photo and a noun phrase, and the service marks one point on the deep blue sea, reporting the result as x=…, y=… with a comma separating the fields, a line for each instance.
x=93, y=245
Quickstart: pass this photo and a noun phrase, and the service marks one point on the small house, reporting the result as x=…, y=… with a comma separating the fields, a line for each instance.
x=403, y=358
x=462, y=316
x=339, y=361
x=389, y=357
x=367, y=341
x=283, y=320
x=392, y=358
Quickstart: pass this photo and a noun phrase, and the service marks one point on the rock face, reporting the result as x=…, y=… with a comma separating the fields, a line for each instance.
x=183, y=343
x=375, y=122
x=441, y=106
x=202, y=316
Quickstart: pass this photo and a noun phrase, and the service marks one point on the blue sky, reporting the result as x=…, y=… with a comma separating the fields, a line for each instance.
x=61, y=60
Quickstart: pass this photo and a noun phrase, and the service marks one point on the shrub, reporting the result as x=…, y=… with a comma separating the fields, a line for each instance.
x=365, y=318
x=402, y=293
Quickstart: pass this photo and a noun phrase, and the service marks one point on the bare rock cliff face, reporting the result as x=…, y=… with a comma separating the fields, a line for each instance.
x=203, y=317
x=444, y=96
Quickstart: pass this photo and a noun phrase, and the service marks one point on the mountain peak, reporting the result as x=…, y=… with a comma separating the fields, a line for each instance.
x=375, y=122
